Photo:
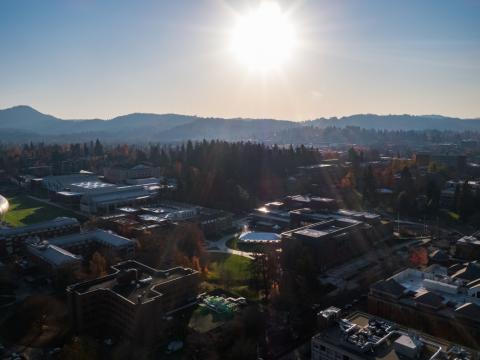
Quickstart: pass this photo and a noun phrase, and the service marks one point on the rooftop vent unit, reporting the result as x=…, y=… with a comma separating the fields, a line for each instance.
x=127, y=276
x=327, y=317
x=458, y=353
x=408, y=346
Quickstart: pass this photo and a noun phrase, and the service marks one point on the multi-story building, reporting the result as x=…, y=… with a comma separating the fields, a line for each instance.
x=272, y=216
x=67, y=252
x=213, y=222
x=57, y=183
x=362, y=336
x=52, y=259
x=132, y=302
x=87, y=242
x=108, y=199
x=119, y=174
x=333, y=241
x=468, y=247
x=299, y=210
x=12, y=240
x=442, y=301
x=312, y=202
x=454, y=161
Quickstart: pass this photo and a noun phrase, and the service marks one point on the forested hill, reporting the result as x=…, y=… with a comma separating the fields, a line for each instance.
x=25, y=124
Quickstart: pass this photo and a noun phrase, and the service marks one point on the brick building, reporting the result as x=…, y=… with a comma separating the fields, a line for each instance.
x=132, y=302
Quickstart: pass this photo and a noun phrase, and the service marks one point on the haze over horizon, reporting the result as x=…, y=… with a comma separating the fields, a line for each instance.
x=90, y=59
x=233, y=117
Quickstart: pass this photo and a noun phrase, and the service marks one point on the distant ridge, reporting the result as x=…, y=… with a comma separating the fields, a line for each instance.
x=24, y=123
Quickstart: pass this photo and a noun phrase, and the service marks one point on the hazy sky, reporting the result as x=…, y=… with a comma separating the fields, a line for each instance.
x=87, y=58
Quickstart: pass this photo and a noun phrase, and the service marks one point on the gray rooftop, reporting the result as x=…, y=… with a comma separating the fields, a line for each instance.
x=133, y=281
x=101, y=236
x=368, y=337
x=40, y=226
x=52, y=254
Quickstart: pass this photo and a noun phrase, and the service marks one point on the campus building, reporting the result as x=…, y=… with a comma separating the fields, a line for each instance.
x=52, y=259
x=468, y=247
x=108, y=199
x=129, y=219
x=362, y=336
x=273, y=216
x=120, y=174
x=91, y=195
x=133, y=302
x=300, y=210
x=453, y=161
x=333, y=241
x=313, y=202
x=12, y=240
x=55, y=183
x=67, y=252
x=443, y=301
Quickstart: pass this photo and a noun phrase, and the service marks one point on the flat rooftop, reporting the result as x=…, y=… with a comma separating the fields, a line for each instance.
x=133, y=281
x=435, y=280
x=473, y=240
x=40, y=226
x=112, y=195
x=53, y=255
x=91, y=185
x=370, y=337
x=321, y=229
x=451, y=293
x=102, y=236
x=312, y=233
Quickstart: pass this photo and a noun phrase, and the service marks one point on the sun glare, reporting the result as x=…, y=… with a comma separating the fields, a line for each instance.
x=264, y=37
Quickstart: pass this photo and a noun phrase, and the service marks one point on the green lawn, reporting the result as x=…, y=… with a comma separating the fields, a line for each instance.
x=25, y=211
x=236, y=266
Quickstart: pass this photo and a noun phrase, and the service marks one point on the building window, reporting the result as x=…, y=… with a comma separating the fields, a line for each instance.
x=322, y=347
x=345, y=357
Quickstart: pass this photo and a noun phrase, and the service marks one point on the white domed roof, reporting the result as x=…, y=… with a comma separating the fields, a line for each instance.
x=3, y=205
x=254, y=236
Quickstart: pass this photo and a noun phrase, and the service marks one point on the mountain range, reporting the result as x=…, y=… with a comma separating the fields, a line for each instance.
x=24, y=124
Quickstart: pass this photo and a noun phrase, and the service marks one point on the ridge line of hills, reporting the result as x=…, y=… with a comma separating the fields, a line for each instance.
x=23, y=124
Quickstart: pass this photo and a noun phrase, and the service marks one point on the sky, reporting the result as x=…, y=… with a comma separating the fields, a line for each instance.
x=79, y=59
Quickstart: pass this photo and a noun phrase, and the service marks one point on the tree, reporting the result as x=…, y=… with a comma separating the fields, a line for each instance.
x=432, y=191
x=369, y=186
x=80, y=348
x=419, y=257
x=264, y=271
x=98, y=265
x=98, y=149
x=348, y=181
x=466, y=206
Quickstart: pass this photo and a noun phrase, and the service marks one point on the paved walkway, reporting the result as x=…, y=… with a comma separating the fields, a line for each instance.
x=220, y=246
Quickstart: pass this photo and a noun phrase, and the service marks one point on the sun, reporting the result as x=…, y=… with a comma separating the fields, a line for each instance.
x=263, y=38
